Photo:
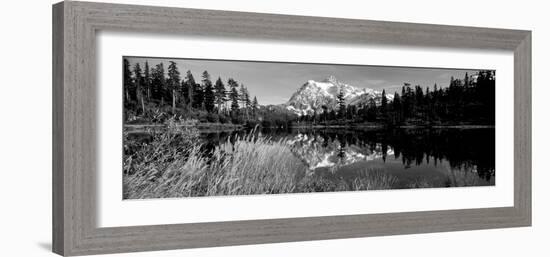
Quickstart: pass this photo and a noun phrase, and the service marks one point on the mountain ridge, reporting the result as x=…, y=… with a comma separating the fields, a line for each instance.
x=314, y=96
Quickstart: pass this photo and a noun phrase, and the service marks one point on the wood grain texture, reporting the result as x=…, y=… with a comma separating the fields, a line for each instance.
x=58, y=229
x=522, y=128
x=74, y=126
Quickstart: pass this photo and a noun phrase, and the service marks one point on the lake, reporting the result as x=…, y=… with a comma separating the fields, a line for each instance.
x=417, y=158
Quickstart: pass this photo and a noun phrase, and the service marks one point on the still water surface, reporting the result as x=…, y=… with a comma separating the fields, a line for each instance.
x=450, y=157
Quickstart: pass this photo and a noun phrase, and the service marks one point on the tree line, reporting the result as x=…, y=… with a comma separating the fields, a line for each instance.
x=470, y=100
x=152, y=94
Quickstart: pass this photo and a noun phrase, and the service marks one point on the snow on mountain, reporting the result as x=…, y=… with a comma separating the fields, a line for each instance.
x=313, y=95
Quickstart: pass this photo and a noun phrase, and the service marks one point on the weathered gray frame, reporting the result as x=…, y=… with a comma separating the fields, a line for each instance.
x=74, y=129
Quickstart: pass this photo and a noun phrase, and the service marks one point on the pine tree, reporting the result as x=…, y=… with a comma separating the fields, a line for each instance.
x=127, y=79
x=187, y=89
x=254, y=107
x=147, y=81
x=198, y=96
x=220, y=93
x=245, y=100
x=341, y=104
x=195, y=92
x=418, y=100
x=384, y=105
x=351, y=112
x=371, y=110
x=397, y=108
x=174, y=82
x=234, y=96
x=138, y=79
x=428, y=105
x=234, y=101
x=209, y=97
x=159, y=83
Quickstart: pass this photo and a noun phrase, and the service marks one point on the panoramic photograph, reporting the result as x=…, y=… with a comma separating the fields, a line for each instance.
x=198, y=127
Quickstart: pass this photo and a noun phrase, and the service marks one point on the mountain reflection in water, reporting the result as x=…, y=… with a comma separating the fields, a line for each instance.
x=451, y=157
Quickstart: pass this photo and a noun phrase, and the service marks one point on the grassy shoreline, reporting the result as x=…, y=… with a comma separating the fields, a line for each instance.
x=133, y=128
x=232, y=127
x=173, y=166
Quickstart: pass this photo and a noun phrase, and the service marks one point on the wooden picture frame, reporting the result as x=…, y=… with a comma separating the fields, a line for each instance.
x=74, y=130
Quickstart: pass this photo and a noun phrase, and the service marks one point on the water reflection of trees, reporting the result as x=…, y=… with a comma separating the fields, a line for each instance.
x=464, y=149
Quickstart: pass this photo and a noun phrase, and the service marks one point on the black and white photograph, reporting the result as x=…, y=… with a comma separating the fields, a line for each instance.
x=275, y=128
x=197, y=127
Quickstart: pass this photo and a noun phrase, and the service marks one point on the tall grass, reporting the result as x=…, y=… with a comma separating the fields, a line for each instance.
x=249, y=165
x=174, y=165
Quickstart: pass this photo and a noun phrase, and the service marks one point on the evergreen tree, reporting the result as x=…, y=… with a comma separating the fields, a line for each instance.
x=384, y=105
x=127, y=79
x=220, y=93
x=209, y=97
x=245, y=99
x=397, y=108
x=408, y=100
x=159, y=83
x=371, y=110
x=174, y=82
x=198, y=95
x=187, y=89
x=419, y=106
x=234, y=101
x=341, y=104
x=147, y=81
x=138, y=79
x=254, y=107
x=464, y=101
x=467, y=100
x=351, y=112
x=234, y=97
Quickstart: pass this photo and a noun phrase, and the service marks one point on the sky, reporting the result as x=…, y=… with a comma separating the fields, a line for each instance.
x=275, y=82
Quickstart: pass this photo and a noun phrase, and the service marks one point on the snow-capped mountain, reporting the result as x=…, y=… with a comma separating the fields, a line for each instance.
x=313, y=95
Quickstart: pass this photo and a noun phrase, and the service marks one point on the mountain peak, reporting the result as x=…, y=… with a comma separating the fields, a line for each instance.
x=313, y=95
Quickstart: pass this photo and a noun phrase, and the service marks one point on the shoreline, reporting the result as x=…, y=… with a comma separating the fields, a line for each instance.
x=203, y=127
x=381, y=126
x=213, y=127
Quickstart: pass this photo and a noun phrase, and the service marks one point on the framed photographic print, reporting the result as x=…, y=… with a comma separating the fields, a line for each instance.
x=182, y=128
